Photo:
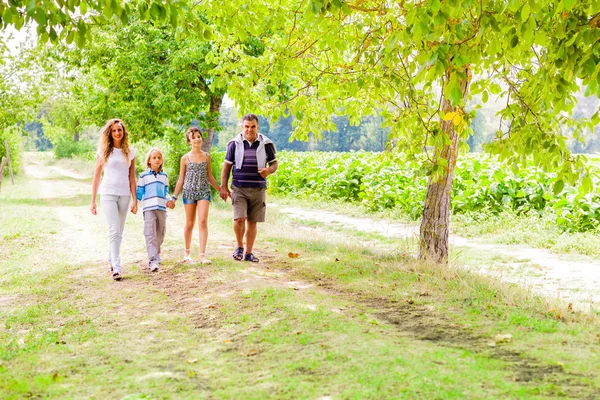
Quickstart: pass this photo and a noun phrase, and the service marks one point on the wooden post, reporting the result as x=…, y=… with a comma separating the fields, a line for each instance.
x=12, y=178
x=2, y=169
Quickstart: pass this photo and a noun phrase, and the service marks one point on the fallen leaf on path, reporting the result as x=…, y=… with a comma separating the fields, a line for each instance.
x=409, y=301
x=55, y=376
x=337, y=259
x=298, y=333
x=228, y=341
x=252, y=352
x=503, y=338
x=570, y=308
x=293, y=255
x=192, y=361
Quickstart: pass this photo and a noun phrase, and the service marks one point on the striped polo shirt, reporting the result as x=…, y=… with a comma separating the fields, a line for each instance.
x=153, y=189
x=248, y=176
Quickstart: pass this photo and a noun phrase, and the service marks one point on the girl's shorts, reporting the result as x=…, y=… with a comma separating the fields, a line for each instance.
x=187, y=201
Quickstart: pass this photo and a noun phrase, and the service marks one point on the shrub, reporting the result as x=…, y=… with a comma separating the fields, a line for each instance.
x=65, y=147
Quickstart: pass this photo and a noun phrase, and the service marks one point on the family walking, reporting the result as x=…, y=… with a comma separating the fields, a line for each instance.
x=249, y=159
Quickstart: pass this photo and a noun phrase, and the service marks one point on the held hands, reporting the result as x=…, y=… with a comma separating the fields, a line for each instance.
x=224, y=193
x=171, y=204
x=134, y=208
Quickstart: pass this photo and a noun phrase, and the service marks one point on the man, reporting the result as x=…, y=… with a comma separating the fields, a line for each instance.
x=248, y=155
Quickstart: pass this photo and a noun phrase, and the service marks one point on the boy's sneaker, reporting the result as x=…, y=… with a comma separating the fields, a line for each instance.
x=153, y=267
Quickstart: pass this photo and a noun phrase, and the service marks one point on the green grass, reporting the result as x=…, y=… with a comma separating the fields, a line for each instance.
x=353, y=316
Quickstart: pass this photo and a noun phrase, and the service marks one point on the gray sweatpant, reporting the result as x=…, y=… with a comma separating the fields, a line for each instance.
x=155, y=226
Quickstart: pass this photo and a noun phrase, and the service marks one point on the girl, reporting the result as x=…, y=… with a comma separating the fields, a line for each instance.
x=152, y=189
x=117, y=159
x=195, y=175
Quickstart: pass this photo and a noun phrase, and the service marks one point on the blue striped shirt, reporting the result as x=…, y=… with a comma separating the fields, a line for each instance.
x=153, y=190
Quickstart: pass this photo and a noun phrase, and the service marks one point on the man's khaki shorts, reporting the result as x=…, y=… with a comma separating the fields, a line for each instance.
x=249, y=203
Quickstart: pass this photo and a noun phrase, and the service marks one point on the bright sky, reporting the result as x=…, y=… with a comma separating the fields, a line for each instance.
x=14, y=38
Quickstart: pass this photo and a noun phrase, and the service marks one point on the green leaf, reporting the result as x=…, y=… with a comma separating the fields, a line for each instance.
x=155, y=11
x=558, y=186
x=7, y=15
x=484, y=96
x=80, y=39
x=586, y=184
x=69, y=38
x=525, y=11
x=514, y=41
x=455, y=96
x=440, y=19
x=568, y=4
x=434, y=6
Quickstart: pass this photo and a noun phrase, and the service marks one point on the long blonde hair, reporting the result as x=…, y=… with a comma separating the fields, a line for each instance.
x=105, y=143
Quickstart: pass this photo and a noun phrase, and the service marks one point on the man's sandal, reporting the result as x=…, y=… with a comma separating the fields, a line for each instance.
x=238, y=254
x=250, y=257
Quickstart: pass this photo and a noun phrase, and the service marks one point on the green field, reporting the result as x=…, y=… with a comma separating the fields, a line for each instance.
x=347, y=314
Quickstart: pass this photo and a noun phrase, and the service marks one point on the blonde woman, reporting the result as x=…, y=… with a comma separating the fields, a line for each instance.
x=117, y=160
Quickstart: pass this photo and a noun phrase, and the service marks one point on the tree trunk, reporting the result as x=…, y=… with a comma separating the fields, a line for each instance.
x=213, y=119
x=76, y=131
x=436, y=211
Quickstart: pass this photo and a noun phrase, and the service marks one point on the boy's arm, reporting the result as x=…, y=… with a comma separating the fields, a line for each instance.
x=170, y=202
x=140, y=190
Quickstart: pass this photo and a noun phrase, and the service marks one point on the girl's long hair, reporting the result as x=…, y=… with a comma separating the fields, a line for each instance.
x=105, y=143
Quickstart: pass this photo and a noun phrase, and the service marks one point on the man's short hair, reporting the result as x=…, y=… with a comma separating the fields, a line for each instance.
x=250, y=117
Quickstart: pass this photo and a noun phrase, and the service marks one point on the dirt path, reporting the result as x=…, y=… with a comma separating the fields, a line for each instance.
x=545, y=273
x=576, y=281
